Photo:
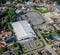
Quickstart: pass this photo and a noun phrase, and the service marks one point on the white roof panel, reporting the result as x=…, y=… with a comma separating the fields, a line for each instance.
x=23, y=30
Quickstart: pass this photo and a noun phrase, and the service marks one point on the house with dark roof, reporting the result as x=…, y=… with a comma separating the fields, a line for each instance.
x=57, y=8
x=47, y=53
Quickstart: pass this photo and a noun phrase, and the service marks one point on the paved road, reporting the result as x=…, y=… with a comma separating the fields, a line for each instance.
x=38, y=32
x=33, y=51
x=46, y=46
x=51, y=50
x=32, y=45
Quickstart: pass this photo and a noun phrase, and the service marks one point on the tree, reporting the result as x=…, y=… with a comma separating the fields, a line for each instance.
x=17, y=53
x=7, y=18
x=21, y=13
x=14, y=44
x=58, y=1
x=34, y=6
x=2, y=49
x=17, y=1
x=1, y=1
x=23, y=1
x=12, y=0
x=20, y=47
x=12, y=14
x=0, y=24
x=58, y=32
x=7, y=27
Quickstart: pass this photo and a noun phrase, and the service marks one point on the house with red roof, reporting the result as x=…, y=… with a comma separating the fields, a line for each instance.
x=37, y=1
x=1, y=44
x=4, y=32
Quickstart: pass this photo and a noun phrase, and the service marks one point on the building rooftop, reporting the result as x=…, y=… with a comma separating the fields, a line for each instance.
x=47, y=53
x=57, y=37
x=4, y=32
x=6, y=53
x=1, y=44
x=11, y=40
x=23, y=30
x=58, y=7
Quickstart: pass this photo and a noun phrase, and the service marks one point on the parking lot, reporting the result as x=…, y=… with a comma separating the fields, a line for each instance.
x=33, y=44
x=35, y=18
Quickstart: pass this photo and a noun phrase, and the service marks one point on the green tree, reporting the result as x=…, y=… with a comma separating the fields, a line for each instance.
x=7, y=27
x=12, y=14
x=11, y=0
x=0, y=24
x=58, y=32
x=34, y=6
x=58, y=1
x=17, y=1
x=1, y=1
x=20, y=47
x=17, y=53
x=2, y=49
x=14, y=44
x=21, y=13
x=7, y=18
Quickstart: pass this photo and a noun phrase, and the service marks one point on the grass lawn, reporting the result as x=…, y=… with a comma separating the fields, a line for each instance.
x=53, y=34
x=43, y=11
x=49, y=42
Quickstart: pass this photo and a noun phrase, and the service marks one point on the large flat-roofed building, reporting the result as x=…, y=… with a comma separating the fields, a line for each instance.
x=23, y=30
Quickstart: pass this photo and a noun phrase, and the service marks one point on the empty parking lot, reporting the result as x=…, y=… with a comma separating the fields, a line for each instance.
x=35, y=18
